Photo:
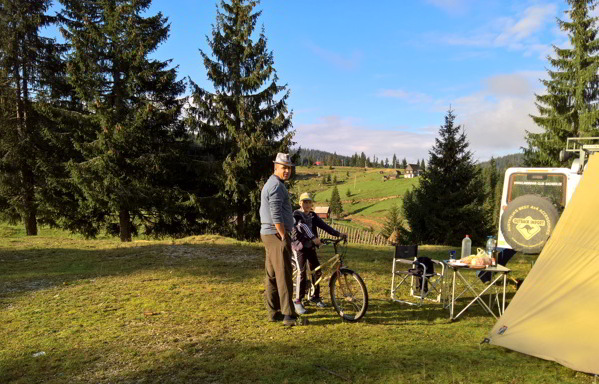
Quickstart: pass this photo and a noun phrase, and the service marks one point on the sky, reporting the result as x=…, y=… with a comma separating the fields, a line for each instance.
x=379, y=77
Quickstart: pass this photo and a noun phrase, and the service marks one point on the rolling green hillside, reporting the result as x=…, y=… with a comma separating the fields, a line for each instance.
x=370, y=197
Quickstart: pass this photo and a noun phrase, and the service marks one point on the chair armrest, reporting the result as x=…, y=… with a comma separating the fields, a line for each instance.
x=405, y=261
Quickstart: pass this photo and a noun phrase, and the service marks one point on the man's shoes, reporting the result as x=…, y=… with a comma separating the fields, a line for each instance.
x=274, y=317
x=318, y=301
x=299, y=308
x=289, y=321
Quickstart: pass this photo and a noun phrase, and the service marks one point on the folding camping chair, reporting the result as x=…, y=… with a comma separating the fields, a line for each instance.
x=417, y=276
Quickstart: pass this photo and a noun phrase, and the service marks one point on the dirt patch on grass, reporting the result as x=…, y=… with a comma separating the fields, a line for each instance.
x=376, y=224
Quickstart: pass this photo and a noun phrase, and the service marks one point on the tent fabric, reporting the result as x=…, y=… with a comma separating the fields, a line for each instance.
x=555, y=313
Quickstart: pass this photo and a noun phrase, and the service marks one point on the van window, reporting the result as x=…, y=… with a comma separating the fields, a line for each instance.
x=549, y=185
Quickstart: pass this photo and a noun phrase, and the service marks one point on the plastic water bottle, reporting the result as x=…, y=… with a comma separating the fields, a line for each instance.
x=491, y=244
x=466, y=247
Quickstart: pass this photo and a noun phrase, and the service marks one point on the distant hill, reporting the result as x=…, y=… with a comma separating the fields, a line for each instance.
x=503, y=162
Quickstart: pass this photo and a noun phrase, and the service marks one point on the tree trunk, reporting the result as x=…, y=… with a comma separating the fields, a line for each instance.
x=29, y=207
x=239, y=223
x=29, y=212
x=125, y=225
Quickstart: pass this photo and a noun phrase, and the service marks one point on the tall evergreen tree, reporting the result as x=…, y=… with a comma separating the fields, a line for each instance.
x=491, y=178
x=448, y=203
x=336, y=205
x=245, y=117
x=394, y=161
x=422, y=165
x=404, y=163
x=569, y=108
x=30, y=66
x=134, y=105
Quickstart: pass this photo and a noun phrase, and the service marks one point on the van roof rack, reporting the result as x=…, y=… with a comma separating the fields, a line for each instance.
x=586, y=144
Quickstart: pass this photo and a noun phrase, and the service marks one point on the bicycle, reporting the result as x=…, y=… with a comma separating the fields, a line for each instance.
x=349, y=295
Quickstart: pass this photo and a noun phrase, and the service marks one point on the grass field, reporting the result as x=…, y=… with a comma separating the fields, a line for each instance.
x=191, y=311
x=370, y=198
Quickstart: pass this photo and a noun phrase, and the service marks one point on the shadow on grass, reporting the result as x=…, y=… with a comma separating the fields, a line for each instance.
x=27, y=270
x=404, y=358
x=360, y=209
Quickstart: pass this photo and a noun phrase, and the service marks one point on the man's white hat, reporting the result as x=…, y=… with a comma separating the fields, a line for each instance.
x=284, y=158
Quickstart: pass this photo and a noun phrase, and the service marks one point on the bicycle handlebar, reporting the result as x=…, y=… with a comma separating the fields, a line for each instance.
x=333, y=241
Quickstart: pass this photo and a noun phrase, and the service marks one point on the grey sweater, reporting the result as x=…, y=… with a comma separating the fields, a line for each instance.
x=275, y=207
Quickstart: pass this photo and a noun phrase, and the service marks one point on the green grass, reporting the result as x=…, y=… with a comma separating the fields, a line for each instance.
x=372, y=197
x=191, y=311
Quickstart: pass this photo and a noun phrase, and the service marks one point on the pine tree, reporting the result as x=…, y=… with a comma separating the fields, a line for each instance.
x=336, y=206
x=134, y=105
x=404, y=163
x=569, y=108
x=448, y=203
x=422, y=165
x=30, y=69
x=393, y=223
x=243, y=117
x=394, y=161
x=491, y=178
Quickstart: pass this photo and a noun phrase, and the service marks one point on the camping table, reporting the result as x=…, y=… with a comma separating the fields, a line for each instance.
x=458, y=272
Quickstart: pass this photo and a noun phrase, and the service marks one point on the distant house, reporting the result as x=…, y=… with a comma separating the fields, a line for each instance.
x=323, y=212
x=412, y=170
x=318, y=163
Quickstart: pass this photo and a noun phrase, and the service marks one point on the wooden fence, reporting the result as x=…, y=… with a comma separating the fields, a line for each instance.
x=356, y=236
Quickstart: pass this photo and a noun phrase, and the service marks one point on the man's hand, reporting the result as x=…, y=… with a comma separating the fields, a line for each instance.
x=317, y=241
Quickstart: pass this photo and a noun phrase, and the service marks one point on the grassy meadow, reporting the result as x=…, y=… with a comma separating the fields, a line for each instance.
x=370, y=197
x=191, y=311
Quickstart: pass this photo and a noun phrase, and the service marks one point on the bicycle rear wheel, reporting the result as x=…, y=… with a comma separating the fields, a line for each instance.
x=348, y=294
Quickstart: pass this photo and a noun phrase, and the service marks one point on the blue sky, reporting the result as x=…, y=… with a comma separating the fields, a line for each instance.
x=379, y=76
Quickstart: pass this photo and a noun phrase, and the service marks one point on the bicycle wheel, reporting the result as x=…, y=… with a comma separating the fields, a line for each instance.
x=348, y=294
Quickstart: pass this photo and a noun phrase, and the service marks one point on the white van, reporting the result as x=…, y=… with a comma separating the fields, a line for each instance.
x=533, y=199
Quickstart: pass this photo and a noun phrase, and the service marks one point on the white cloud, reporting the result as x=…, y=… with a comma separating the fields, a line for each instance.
x=496, y=118
x=532, y=21
x=516, y=33
x=346, y=137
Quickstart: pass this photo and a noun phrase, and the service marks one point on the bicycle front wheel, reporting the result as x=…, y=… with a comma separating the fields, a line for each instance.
x=348, y=294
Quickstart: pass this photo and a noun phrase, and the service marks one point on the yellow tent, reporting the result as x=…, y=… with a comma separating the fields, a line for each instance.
x=555, y=313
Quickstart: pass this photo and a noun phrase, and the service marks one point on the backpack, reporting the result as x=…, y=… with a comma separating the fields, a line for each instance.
x=418, y=271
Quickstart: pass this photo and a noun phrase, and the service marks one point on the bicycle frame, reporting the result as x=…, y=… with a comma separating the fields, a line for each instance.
x=335, y=260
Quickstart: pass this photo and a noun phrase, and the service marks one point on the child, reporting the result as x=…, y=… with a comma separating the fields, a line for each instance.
x=306, y=240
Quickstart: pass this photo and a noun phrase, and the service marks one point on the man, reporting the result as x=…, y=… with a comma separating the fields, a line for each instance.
x=276, y=219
